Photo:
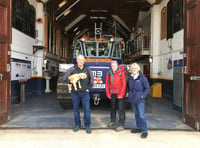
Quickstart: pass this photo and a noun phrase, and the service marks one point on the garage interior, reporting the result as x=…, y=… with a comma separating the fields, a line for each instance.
x=118, y=17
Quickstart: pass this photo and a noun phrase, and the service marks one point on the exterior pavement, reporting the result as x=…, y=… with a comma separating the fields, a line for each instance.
x=99, y=138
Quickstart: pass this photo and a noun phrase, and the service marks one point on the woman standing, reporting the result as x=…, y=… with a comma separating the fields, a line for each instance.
x=138, y=89
x=115, y=91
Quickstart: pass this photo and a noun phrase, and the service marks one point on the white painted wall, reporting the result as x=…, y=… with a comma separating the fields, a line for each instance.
x=163, y=50
x=21, y=47
x=155, y=37
x=40, y=26
x=22, y=44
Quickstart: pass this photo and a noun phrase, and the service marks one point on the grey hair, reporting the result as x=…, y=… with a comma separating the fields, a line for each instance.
x=80, y=56
x=135, y=65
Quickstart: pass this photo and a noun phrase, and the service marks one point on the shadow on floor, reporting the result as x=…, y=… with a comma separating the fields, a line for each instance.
x=43, y=111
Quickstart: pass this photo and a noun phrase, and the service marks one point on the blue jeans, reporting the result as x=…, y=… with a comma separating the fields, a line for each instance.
x=85, y=99
x=139, y=110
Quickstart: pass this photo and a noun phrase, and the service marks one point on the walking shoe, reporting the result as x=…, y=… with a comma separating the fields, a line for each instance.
x=111, y=124
x=88, y=130
x=144, y=135
x=76, y=128
x=136, y=130
x=119, y=128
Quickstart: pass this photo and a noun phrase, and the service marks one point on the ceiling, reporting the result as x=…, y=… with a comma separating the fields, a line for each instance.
x=117, y=17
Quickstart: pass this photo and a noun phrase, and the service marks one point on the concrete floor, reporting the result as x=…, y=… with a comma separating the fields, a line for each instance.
x=44, y=111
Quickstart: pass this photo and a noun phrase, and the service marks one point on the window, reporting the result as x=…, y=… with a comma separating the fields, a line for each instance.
x=117, y=51
x=77, y=50
x=163, y=23
x=97, y=48
x=91, y=48
x=103, y=48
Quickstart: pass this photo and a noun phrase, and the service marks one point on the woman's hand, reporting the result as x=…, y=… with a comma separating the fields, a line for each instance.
x=109, y=97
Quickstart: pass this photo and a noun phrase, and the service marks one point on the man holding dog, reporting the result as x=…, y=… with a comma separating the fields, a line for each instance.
x=81, y=93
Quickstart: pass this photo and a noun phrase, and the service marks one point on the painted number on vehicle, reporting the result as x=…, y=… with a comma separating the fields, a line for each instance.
x=97, y=73
x=98, y=82
x=99, y=86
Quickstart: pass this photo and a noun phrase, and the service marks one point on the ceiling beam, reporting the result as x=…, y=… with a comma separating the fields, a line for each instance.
x=73, y=23
x=81, y=34
x=117, y=18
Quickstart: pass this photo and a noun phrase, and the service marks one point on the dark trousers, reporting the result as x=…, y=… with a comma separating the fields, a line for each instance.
x=121, y=105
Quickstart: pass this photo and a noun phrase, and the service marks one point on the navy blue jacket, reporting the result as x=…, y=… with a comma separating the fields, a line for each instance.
x=137, y=88
x=85, y=83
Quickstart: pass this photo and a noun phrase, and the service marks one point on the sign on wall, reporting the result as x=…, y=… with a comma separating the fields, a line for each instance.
x=20, y=69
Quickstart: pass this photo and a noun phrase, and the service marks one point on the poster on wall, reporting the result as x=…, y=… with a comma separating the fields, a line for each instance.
x=20, y=69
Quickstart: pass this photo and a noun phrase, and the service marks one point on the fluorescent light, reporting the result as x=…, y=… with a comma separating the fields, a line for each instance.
x=99, y=10
x=62, y=3
x=78, y=32
x=67, y=9
x=97, y=17
x=75, y=29
x=67, y=12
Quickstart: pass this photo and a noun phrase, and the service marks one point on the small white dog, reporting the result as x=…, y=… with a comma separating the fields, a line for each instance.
x=75, y=78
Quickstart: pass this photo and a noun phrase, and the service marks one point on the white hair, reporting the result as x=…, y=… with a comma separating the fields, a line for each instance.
x=80, y=56
x=135, y=65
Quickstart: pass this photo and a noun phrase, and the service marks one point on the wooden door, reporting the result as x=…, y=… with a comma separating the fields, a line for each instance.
x=191, y=103
x=5, y=40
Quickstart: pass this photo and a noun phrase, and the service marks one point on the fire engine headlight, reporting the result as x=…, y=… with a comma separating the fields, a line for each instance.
x=82, y=39
x=111, y=39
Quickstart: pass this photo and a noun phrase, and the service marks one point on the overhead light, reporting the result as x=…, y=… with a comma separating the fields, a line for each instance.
x=97, y=17
x=62, y=3
x=67, y=12
x=75, y=29
x=61, y=14
x=99, y=10
x=78, y=32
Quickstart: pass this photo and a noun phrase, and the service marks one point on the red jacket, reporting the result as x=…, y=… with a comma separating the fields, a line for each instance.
x=116, y=83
